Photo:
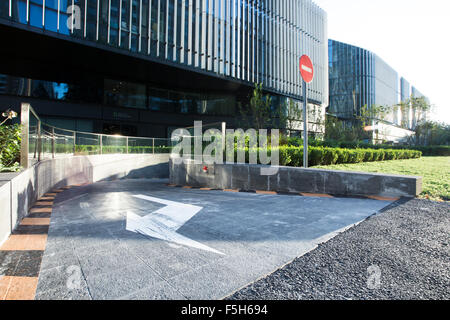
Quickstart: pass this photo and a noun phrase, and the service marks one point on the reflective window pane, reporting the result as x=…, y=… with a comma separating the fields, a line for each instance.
x=125, y=94
x=51, y=15
x=36, y=13
x=4, y=9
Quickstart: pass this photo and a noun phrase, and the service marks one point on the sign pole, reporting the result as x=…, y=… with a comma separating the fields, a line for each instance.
x=305, y=126
x=307, y=72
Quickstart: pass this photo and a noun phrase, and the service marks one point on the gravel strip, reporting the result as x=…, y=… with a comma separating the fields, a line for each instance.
x=401, y=253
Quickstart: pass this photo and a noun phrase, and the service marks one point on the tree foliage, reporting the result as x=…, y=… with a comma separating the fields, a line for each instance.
x=10, y=147
x=355, y=129
x=336, y=129
x=431, y=133
x=258, y=113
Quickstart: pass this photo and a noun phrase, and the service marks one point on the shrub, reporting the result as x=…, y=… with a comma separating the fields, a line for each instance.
x=10, y=147
x=95, y=149
x=285, y=156
x=315, y=156
x=342, y=156
x=382, y=155
x=331, y=143
x=293, y=156
x=368, y=155
x=330, y=156
x=296, y=156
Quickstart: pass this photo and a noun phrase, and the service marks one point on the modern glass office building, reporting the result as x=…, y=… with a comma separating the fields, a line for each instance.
x=360, y=78
x=144, y=67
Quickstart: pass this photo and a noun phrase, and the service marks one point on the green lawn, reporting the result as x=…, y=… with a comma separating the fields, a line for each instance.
x=434, y=170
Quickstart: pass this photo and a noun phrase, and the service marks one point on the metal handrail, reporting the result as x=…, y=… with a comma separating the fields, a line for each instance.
x=99, y=134
x=41, y=134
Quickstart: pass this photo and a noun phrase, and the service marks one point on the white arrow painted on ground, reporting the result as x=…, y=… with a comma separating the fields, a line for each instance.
x=164, y=223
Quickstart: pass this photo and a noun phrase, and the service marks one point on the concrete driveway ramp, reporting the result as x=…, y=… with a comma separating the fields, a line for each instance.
x=143, y=240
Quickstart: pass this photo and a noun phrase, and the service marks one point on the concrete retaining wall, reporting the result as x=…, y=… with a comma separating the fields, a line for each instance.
x=294, y=180
x=19, y=191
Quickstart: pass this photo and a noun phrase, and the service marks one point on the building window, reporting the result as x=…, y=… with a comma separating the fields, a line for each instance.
x=36, y=13
x=159, y=100
x=216, y=105
x=125, y=94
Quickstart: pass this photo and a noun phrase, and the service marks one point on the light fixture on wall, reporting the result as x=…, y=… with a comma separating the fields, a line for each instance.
x=8, y=114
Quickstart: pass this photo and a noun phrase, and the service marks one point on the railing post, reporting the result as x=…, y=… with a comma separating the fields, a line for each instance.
x=153, y=149
x=127, y=144
x=25, y=124
x=224, y=133
x=101, y=143
x=39, y=141
x=53, y=143
x=74, y=142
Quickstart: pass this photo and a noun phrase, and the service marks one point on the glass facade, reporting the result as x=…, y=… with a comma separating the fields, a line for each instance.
x=247, y=40
x=360, y=78
x=117, y=93
x=405, y=94
x=405, y=89
x=418, y=115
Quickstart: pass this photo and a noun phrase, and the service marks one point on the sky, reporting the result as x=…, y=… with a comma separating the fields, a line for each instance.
x=412, y=36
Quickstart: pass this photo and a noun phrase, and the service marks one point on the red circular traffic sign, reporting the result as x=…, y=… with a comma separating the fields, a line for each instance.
x=306, y=69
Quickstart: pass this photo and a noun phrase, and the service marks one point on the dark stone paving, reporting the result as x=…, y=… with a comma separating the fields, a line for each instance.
x=25, y=229
x=20, y=263
x=91, y=255
x=403, y=253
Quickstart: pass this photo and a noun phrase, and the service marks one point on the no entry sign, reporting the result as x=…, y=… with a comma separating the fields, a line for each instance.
x=306, y=69
x=307, y=72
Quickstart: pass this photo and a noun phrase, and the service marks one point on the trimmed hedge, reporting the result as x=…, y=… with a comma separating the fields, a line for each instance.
x=437, y=151
x=293, y=156
x=426, y=150
x=89, y=150
x=440, y=151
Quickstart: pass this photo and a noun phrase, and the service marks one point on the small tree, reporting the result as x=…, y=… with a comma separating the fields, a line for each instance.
x=421, y=106
x=259, y=111
x=290, y=115
x=340, y=130
x=375, y=112
x=432, y=133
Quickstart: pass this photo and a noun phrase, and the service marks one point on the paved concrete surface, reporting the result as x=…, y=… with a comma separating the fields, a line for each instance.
x=91, y=255
x=407, y=246
x=25, y=187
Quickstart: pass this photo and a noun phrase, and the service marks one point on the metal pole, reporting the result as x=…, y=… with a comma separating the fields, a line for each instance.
x=39, y=141
x=127, y=145
x=53, y=143
x=101, y=144
x=153, y=146
x=305, y=126
x=25, y=124
x=74, y=142
x=224, y=132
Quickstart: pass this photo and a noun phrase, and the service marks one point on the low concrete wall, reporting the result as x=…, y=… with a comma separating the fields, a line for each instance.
x=294, y=180
x=19, y=191
x=5, y=212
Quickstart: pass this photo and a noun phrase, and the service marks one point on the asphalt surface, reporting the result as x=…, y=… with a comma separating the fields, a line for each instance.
x=401, y=253
x=128, y=239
